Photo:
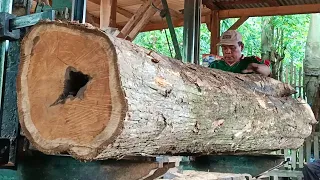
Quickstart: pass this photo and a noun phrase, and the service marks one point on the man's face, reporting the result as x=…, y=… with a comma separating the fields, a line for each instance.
x=231, y=53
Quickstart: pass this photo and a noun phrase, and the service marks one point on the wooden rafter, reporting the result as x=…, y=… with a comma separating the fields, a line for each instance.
x=144, y=19
x=108, y=13
x=92, y=19
x=209, y=4
x=238, y=23
x=124, y=12
x=134, y=19
x=176, y=14
x=228, y=3
x=273, y=2
x=270, y=11
x=163, y=24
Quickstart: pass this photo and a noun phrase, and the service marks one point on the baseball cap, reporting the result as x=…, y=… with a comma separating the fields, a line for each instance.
x=230, y=37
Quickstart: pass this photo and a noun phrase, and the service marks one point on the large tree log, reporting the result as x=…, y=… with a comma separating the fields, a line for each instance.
x=98, y=97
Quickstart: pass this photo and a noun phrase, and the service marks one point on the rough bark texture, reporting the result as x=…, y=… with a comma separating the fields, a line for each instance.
x=162, y=105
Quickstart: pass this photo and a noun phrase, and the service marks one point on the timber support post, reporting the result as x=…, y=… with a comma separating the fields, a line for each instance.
x=215, y=32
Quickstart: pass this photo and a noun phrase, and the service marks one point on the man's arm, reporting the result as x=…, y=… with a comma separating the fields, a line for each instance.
x=258, y=68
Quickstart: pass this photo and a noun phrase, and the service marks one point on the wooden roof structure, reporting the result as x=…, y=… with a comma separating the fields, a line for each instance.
x=134, y=16
x=125, y=9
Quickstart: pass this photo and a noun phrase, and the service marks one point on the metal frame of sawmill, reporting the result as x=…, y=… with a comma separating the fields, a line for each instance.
x=13, y=28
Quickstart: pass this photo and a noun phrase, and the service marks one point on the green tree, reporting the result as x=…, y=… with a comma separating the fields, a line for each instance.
x=294, y=29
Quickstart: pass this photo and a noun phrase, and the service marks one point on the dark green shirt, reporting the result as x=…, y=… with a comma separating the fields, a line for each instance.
x=239, y=66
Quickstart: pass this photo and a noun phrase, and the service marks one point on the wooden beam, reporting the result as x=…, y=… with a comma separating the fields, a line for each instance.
x=124, y=12
x=108, y=13
x=228, y=3
x=163, y=24
x=95, y=1
x=273, y=2
x=270, y=11
x=144, y=20
x=134, y=19
x=176, y=14
x=215, y=32
x=92, y=19
x=208, y=21
x=209, y=4
x=238, y=23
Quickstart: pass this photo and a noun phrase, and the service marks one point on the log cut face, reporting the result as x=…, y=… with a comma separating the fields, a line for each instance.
x=65, y=98
x=137, y=102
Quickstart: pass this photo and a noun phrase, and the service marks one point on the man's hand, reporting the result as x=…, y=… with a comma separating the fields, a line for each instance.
x=258, y=68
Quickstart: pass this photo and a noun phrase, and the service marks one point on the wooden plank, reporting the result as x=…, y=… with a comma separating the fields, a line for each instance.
x=215, y=32
x=124, y=12
x=144, y=20
x=134, y=19
x=273, y=2
x=308, y=149
x=163, y=24
x=238, y=23
x=270, y=11
x=228, y=3
x=301, y=155
x=92, y=20
x=316, y=147
x=285, y=173
x=209, y=4
x=294, y=159
x=175, y=14
x=108, y=13
x=286, y=155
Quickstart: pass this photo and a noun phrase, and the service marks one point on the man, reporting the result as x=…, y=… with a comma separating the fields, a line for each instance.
x=233, y=59
x=311, y=171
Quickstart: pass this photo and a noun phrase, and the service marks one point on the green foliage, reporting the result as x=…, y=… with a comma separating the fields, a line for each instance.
x=294, y=27
x=157, y=41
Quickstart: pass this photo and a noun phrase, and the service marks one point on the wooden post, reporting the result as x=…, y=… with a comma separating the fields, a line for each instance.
x=301, y=155
x=316, y=147
x=208, y=21
x=294, y=158
x=215, y=32
x=308, y=149
x=108, y=13
x=286, y=155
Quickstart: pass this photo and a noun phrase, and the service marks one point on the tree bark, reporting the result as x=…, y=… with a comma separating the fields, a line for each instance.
x=98, y=96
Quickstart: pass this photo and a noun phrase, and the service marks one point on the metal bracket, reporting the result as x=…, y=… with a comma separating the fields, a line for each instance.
x=5, y=32
x=9, y=60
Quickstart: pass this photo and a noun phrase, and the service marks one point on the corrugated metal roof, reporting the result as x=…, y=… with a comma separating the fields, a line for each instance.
x=243, y=4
